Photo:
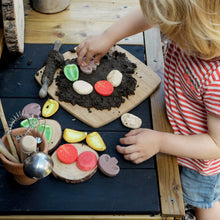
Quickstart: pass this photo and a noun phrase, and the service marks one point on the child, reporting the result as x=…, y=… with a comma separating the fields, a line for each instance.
x=192, y=93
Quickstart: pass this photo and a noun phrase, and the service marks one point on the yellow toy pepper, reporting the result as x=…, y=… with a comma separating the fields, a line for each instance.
x=95, y=141
x=73, y=136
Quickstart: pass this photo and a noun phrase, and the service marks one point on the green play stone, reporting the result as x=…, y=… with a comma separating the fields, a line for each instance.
x=33, y=122
x=47, y=131
x=71, y=72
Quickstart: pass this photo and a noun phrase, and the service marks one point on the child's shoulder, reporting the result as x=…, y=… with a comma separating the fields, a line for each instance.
x=206, y=65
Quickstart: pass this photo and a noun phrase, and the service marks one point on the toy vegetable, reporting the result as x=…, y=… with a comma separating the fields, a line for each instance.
x=95, y=141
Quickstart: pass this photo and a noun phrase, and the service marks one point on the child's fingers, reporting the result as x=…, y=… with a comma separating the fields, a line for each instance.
x=97, y=59
x=126, y=150
x=130, y=154
x=134, y=132
x=132, y=157
x=88, y=57
x=79, y=47
x=81, y=54
x=139, y=160
x=128, y=140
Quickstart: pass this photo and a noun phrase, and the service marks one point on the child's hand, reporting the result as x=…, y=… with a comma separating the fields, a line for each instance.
x=94, y=47
x=142, y=145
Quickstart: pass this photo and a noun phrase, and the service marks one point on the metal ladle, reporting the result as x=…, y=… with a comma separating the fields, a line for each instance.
x=38, y=165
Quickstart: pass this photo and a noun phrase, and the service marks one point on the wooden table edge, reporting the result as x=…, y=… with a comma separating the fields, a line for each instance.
x=84, y=217
x=171, y=198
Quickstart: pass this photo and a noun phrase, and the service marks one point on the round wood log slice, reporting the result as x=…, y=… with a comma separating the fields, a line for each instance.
x=56, y=134
x=13, y=22
x=70, y=173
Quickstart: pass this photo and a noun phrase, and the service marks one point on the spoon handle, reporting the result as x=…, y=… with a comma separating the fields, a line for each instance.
x=5, y=126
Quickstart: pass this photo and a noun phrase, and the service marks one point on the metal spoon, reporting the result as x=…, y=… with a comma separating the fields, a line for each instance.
x=38, y=165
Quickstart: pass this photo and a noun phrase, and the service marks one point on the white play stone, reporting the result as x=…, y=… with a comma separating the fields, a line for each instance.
x=131, y=121
x=82, y=87
x=115, y=78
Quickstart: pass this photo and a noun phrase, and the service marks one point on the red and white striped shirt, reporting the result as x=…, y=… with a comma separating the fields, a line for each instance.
x=192, y=89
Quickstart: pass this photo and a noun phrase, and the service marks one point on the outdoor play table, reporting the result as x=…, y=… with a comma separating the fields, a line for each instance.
x=150, y=190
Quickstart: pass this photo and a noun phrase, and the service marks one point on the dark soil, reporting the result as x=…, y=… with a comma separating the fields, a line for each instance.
x=117, y=61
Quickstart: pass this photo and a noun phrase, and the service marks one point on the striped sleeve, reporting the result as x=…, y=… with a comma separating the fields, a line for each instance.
x=212, y=93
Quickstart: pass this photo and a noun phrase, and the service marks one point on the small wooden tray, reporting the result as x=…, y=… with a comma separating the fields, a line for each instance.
x=147, y=81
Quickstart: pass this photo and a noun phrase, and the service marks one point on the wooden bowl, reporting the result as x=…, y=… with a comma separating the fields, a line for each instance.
x=49, y=6
x=16, y=169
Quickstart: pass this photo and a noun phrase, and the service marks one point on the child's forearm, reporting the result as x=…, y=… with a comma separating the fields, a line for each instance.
x=95, y=47
x=133, y=23
x=200, y=146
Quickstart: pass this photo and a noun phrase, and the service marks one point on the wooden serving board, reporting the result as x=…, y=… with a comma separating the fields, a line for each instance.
x=147, y=82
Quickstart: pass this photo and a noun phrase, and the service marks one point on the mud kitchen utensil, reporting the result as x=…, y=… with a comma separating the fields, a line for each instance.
x=38, y=165
x=16, y=169
x=53, y=62
x=6, y=153
x=6, y=129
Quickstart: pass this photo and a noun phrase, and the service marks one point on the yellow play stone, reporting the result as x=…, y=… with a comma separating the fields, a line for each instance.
x=50, y=108
x=73, y=136
x=95, y=141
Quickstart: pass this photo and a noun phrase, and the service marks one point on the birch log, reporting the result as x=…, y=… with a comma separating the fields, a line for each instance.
x=13, y=24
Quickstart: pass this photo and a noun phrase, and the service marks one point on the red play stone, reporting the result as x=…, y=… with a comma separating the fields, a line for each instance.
x=67, y=153
x=104, y=88
x=86, y=161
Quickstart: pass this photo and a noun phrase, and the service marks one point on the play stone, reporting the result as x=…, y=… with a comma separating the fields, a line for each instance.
x=82, y=87
x=115, y=78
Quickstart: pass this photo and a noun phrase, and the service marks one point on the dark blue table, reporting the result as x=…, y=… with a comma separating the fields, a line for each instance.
x=133, y=191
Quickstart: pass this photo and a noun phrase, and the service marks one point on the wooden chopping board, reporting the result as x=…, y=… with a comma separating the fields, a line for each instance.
x=147, y=82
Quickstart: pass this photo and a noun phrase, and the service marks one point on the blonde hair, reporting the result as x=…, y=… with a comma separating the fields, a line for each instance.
x=194, y=25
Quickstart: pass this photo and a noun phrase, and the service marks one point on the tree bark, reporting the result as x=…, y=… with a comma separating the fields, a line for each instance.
x=13, y=24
